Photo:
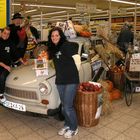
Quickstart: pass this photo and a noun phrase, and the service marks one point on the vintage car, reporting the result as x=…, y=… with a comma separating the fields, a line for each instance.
x=25, y=91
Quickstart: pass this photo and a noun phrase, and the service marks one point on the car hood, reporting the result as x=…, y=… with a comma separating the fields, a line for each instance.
x=25, y=76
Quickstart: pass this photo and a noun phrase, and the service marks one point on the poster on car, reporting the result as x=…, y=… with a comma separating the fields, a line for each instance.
x=41, y=67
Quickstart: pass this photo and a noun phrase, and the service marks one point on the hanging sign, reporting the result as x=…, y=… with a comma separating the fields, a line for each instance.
x=81, y=7
x=4, y=12
x=114, y=11
x=123, y=11
x=91, y=8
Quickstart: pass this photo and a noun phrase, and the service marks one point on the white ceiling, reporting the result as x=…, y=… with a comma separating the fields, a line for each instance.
x=61, y=7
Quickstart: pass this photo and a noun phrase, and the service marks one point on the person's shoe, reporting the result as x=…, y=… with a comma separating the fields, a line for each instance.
x=70, y=133
x=2, y=98
x=63, y=130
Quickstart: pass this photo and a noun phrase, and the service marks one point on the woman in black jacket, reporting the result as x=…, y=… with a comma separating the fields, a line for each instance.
x=67, y=77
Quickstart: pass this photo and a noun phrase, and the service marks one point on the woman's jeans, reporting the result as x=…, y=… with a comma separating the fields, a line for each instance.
x=3, y=75
x=67, y=94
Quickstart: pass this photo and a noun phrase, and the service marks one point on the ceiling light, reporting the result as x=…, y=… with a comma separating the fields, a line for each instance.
x=16, y=4
x=59, y=12
x=30, y=11
x=69, y=15
x=125, y=2
x=46, y=6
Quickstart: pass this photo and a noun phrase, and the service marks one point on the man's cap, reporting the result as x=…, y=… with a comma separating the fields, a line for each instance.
x=16, y=16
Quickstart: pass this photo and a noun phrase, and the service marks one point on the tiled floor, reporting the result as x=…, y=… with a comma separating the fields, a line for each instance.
x=122, y=124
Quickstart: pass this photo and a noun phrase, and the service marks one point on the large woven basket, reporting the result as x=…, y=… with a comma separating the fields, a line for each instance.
x=86, y=107
x=117, y=78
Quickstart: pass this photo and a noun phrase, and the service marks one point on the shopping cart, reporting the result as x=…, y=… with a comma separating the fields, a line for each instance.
x=132, y=75
x=132, y=85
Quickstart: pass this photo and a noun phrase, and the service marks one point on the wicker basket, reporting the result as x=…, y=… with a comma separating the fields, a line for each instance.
x=86, y=107
x=117, y=78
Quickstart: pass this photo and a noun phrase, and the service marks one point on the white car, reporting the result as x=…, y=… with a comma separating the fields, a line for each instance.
x=27, y=92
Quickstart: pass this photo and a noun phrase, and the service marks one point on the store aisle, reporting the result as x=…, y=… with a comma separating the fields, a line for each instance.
x=122, y=124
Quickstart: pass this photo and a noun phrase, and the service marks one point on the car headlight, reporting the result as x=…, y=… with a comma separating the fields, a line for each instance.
x=43, y=88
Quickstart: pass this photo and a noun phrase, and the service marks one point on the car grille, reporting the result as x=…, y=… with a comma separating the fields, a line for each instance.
x=21, y=93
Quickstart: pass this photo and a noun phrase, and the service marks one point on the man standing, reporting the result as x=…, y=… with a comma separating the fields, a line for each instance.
x=18, y=36
x=125, y=38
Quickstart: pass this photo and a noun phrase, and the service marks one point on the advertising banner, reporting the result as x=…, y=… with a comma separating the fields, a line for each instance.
x=4, y=12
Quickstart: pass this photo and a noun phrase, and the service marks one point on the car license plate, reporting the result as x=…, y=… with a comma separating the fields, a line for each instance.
x=16, y=106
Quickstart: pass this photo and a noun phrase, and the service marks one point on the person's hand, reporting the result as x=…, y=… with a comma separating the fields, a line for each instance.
x=7, y=68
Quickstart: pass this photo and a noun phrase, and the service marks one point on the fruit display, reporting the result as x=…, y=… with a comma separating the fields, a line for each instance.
x=87, y=86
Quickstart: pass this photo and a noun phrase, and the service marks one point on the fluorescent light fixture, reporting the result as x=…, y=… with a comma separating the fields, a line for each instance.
x=125, y=2
x=47, y=14
x=46, y=6
x=69, y=15
x=16, y=4
x=30, y=11
x=48, y=19
x=61, y=16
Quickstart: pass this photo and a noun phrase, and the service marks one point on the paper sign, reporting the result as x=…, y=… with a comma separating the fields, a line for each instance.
x=81, y=7
x=91, y=8
x=41, y=67
x=134, y=65
x=98, y=113
x=114, y=11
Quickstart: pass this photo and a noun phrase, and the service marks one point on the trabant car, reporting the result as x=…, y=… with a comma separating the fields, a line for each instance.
x=25, y=91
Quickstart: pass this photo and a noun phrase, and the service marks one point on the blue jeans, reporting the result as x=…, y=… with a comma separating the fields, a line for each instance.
x=67, y=94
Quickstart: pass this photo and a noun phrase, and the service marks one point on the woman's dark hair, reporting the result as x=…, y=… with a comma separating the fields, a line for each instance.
x=52, y=48
x=62, y=37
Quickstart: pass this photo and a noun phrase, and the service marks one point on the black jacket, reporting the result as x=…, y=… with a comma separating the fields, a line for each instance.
x=19, y=44
x=34, y=32
x=7, y=51
x=125, y=37
x=66, y=70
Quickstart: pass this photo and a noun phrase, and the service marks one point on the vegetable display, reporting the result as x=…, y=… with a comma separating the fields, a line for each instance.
x=87, y=86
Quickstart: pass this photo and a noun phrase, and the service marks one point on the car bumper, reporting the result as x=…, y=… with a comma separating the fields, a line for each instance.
x=25, y=106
